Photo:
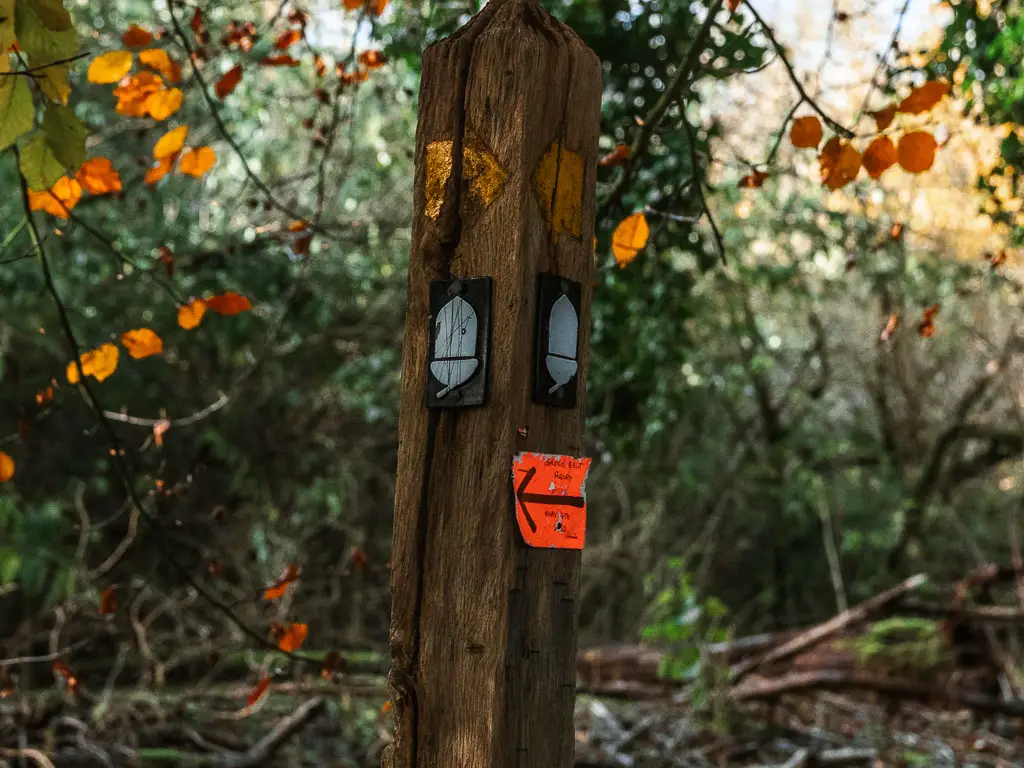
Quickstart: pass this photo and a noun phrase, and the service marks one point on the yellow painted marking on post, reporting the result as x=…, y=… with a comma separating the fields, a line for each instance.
x=439, y=169
x=480, y=171
x=558, y=182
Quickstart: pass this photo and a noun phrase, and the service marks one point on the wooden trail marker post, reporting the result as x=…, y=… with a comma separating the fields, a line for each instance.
x=483, y=628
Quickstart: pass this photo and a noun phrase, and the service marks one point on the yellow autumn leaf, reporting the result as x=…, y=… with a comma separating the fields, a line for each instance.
x=629, y=238
x=190, y=315
x=170, y=142
x=6, y=467
x=163, y=104
x=196, y=162
x=142, y=342
x=158, y=60
x=109, y=67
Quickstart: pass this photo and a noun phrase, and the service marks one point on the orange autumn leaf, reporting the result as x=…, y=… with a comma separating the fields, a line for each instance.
x=926, y=328
x=279, y=587
x=629, y=238
x=109, y=67
x=64, y=674
x=197, y=162
x=297, y=226
x=159, y=430
x=924, y=97
x=170, y=143
x=59, y=199
x=385, y=707
x=879, y=156
x=289, y=638
x=229, y=303
x=806, y=132
x=374, y=7
x=287, y=39
x=753, y=180
x=137, y=37
x=916, y=151
x=158, y=60
x=890, y=327
x=132, y=95
x=258, y=692
x=163, y=104
x=190, y=315
x=6, y=467
x=108, y=601
x=99, y=363
x=228, y=81
x=734, y=4
x=617, y=156
x=45, y=396
x=280, y=61
x=142, y=342
x=319, y=66
x=372, y=59
x=162, y=168
x=98, y=176
x=844, y=169
x=883, y=117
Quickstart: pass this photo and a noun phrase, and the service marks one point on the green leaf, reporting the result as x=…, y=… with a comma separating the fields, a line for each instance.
x=53, y=82
x=17, y=114
x=66, y=135
x=6, y=24
x=39, y=165
x=10, y=564
x=44, y=30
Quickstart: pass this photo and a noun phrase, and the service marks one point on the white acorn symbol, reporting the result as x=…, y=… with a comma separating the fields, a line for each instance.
x=454, y=345
x=563, y=328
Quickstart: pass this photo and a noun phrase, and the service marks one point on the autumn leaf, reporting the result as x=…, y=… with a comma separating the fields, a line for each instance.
x=109, y=67
x=99, y=363
x=883, y=117
x=228, y=81
x=258, y=692
x=372, y=59
x=806, y=132
x=734, y=4
x=289, y=638
x=916, y=151
x=752, y=180
x=996, y=259
x=375, y=7
x=190, y=315
x=879, y=156
x=142, y=342
x=279, y=587
x=617, y=156
x=890, y=327
x=170, y=143
x=108, y=601
x=6, y=683
x=158, y=60
x=280, y=61
x=297, y=226
x=59, y=199
x=162, y=168
x=287, y=39
x=133, y=94
x=137, y=37
x=840, y=164
x=229, y=303
x=166, y=257
x=64, y=674
x=159, y=430
x=629, y=238
x=99, y=177
x=924, y=97
x=196, y=162
x=6, y=467
x=319, y=66
x=359, y=559
x=163, y=104
x=45, y=396
x=926, y=328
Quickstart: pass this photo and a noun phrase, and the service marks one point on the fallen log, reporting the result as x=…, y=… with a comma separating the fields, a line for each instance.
x=840, y=680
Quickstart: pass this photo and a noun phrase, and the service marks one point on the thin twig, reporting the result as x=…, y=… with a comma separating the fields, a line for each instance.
x=698, y=185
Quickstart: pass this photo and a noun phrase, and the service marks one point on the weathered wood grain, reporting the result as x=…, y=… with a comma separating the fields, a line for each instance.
x=483, y=635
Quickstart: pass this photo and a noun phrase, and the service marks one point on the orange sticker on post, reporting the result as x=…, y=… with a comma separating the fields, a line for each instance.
x=551, y=501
